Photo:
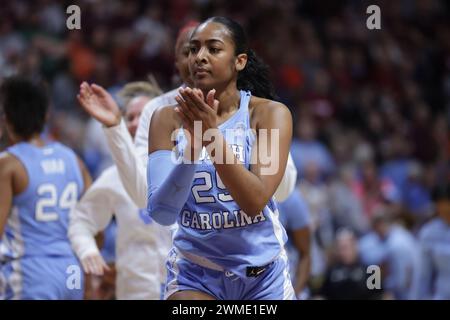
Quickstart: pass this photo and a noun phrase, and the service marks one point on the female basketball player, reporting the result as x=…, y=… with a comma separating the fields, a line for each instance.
x=40, y=183
x=229, y=244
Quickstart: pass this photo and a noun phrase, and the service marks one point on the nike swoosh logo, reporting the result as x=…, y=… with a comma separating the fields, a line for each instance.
x=260, y=271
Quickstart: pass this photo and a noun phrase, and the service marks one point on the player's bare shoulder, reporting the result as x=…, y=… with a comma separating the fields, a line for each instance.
x=167, y=117
x=13, y=170
x=8, y=163
x=165, y=122
x=262, y=109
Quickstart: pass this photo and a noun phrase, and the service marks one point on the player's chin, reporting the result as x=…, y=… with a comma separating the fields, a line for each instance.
x=204, y=82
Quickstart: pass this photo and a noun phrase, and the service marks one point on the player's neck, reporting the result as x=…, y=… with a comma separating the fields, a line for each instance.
x=36, y=140
x=229, y=100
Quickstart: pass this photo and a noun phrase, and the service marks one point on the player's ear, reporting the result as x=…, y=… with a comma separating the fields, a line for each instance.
x=241, y=61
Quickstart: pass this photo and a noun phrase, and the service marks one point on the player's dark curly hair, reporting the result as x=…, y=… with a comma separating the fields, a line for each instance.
x=25, y=105
x=255, y=76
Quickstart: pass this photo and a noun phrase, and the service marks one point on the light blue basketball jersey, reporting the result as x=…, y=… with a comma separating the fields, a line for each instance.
x=294, y=212
x=211, y=224
x=38, y=221
x=294, y=215
x=434, y=272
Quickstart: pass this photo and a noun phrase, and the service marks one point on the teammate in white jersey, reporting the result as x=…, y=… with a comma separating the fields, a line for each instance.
x=142, y=245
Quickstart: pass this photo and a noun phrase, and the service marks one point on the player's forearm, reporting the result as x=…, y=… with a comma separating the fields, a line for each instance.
x=131, y=170
x=4, y=212
x=169, y=186
x=81, y=235
x=3, y=217
x=302, y=275
x=6, y=195
x=247, y=189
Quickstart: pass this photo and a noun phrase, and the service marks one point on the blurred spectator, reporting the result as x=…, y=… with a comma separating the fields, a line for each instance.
x=307, y=150
x=434, y=238
x=345, y=206
x=374, y=192
x=416, y=197
x=12, y=47
x=346, y=276
x=397, y=162
x=425, y=146
x=393, y=248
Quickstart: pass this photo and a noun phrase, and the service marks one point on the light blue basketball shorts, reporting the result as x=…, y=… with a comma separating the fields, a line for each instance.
x=42, y=278
x=271, y=282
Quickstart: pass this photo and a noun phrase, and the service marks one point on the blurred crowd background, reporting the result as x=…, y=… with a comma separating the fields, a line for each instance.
x=371, y=107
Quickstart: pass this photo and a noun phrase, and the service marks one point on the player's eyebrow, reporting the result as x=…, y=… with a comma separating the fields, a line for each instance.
x=212, y=40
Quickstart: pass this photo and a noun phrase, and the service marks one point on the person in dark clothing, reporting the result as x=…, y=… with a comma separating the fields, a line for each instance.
x=346, y=278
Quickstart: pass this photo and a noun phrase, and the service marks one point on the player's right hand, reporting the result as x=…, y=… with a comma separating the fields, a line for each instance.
x=94, y=264
x=99, y=104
